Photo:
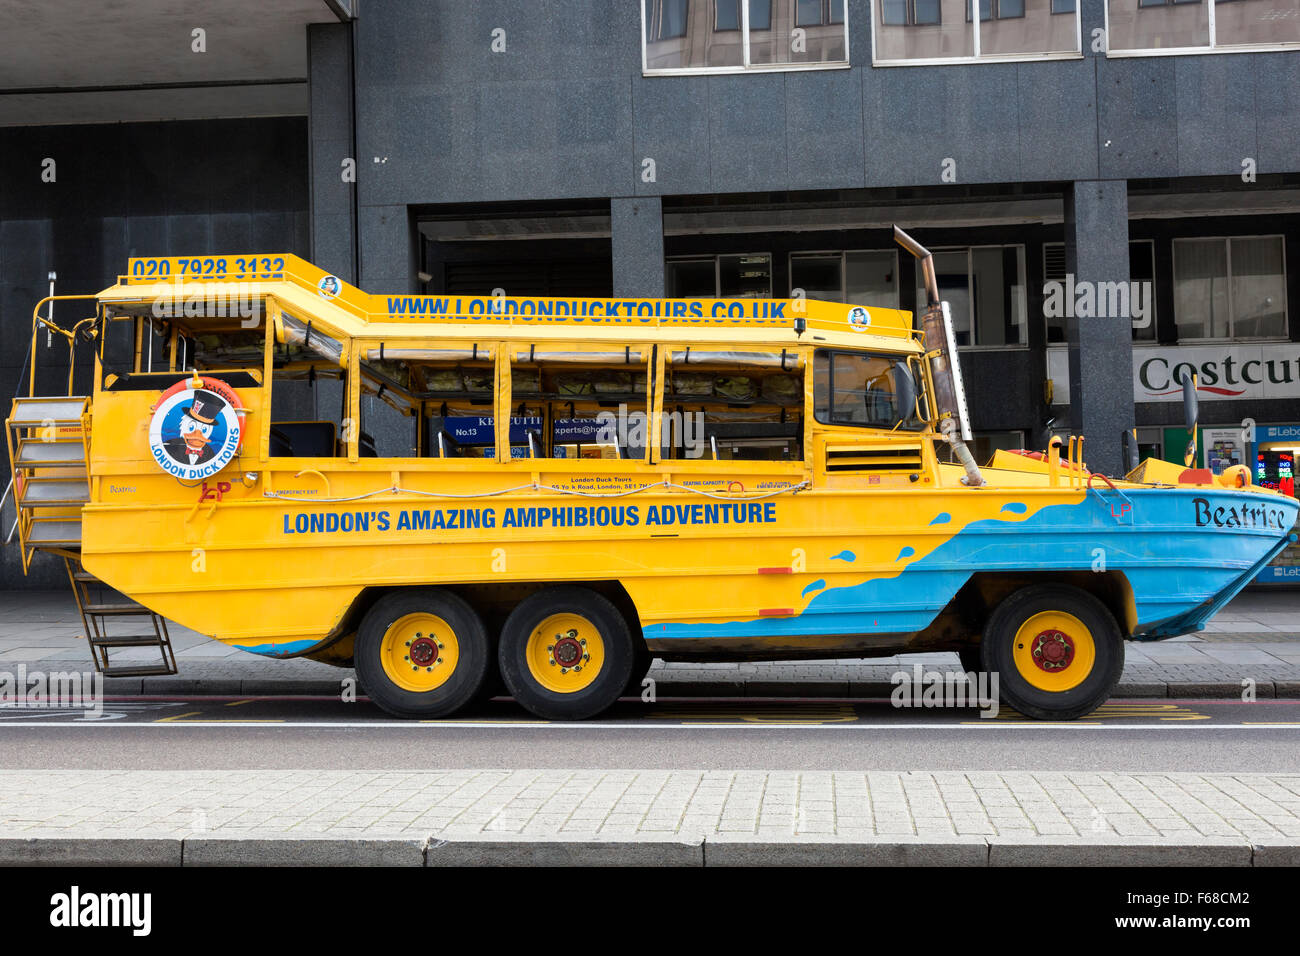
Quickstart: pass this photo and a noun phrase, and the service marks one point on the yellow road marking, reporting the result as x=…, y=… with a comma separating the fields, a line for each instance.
x=236, y=703
x=192, y=713
x=1112, y=712
x=445, y=720
x=722, y=715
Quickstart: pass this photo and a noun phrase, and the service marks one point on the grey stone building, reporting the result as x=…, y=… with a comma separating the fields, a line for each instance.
x=1112, y=187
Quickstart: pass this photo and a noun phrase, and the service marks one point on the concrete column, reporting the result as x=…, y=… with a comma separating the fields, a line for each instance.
x=1101, y=345
x=331, y=122
x=637, y=233
x=388, y=249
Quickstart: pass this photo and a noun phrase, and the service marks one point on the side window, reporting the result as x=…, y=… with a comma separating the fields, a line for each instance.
x=428, y=401
x=570, y=403
x=309, y=413
x=867, y=391
x=734, y=406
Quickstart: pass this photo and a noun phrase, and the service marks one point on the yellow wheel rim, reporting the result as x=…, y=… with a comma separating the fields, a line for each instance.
x=1054, y=651
x=419, y=652
x=565, y=653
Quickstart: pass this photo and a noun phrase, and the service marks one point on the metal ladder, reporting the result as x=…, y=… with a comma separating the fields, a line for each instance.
x=48, y=452
x=95, y=613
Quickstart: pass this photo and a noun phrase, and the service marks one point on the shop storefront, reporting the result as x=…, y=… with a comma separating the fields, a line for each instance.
x=1273, y=453
x=1235, y=381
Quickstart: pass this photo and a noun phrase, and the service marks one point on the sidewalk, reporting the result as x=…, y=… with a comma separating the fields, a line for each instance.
x=652, y=817
x=1257, y=638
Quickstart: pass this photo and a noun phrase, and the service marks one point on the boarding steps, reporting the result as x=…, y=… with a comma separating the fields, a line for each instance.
x=50, y=483
x=98, y=604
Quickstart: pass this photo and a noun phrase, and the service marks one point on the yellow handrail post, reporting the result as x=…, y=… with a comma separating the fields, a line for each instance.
x=501, y=411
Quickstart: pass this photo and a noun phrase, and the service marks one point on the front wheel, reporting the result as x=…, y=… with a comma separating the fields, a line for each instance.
x=1056, y=649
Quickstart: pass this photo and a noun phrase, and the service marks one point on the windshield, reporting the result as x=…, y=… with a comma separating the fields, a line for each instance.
x=869, y=391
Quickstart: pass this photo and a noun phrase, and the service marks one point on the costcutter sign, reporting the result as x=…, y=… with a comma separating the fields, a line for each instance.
x=1223, y=372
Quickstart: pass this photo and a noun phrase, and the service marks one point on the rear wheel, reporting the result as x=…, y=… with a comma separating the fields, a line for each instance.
x=1056, y=649
x=566, y=653
x=422, y=653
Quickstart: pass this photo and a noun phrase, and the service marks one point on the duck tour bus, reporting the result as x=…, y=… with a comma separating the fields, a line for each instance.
x=452, y=493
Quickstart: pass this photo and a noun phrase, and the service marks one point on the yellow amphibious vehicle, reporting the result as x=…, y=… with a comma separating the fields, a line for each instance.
x=444, y=489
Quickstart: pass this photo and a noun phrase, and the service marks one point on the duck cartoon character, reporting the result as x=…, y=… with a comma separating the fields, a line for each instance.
x=193, y=445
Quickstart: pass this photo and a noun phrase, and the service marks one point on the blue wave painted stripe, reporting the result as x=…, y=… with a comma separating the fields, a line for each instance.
x=1172, y=564
x=280, y=650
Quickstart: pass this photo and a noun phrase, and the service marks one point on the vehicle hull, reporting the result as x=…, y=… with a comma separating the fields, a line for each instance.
x=799, y=573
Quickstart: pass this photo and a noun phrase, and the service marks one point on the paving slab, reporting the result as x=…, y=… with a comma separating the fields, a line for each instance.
x=648, y=817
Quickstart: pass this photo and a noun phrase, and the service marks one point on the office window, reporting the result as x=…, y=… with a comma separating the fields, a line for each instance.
x=710, y=35
x=815, y=13
x=799, y=32
x=863, y=277
x=1139, y=297
x=670, y=20
x=691, y=278
x=998, y=9
x=1157, y=25
x=817, y=276
x=908, y=31
x=1145, y=26
x=1256, y=22
x=743, y=276
x=726, y=14
x=900, y=13
x=984, y=287
x=1233, y=288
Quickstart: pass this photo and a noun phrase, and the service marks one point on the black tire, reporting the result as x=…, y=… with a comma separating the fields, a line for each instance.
x=471, y=666
x=1000, y=642
x=615, y=664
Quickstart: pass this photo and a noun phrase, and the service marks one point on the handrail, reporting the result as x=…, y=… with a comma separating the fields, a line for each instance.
x=1113, y=487
x=70, y=334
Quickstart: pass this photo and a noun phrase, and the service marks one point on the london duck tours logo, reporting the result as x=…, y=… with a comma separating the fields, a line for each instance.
x=195, y=428
x=329, y=287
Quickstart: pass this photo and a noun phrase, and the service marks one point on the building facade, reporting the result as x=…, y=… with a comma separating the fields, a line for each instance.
x=1111, y=187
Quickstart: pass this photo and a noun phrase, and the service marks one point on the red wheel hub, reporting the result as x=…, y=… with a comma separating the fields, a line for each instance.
x=567, y=652
x=423, y=651
x=1052, y=651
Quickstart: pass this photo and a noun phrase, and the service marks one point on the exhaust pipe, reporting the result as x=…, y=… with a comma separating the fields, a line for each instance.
x=949, y=391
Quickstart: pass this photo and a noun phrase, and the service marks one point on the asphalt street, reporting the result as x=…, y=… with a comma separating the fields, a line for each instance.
x=210, y=733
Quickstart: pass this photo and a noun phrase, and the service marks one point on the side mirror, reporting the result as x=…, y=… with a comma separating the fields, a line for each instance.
x=904, y=390
x=1189, y=414
x=1130, y=449
x=1190, y=408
